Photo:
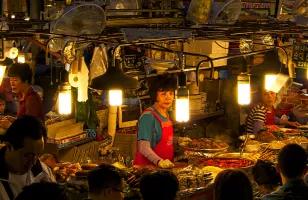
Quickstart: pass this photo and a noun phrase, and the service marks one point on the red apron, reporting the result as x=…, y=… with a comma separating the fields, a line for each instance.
x=164, y=148
x=270, y=117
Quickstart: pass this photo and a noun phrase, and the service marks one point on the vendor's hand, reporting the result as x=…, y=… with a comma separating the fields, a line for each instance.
x=293, y=124
x=165, y=164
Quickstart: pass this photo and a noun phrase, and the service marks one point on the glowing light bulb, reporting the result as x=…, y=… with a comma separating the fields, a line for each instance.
x=269, y=81
x=21, y=58
x=182, y=109
x=115, y=97
x=243, y=90
x=13, y=53
x=65, y=100
x=2, y=72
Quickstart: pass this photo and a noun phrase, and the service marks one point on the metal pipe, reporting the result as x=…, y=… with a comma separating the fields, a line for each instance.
x=213, y=59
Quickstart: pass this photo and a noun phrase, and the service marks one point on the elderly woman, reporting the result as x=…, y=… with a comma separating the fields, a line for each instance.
x=155, y=129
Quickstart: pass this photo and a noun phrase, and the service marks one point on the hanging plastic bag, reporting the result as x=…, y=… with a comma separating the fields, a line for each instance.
x=99, y=62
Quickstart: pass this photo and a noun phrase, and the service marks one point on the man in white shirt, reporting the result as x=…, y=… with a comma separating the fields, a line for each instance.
x=19, y=163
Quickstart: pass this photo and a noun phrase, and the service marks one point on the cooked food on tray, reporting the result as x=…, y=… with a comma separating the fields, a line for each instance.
x=227, y=162
x=203, y=144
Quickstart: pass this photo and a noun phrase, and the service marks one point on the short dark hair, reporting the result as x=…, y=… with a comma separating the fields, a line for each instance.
x=161, y=83
x=22, y=71
x=265, y=173
x=292, y=160
x=162, y=185
x=24, y=127
x=104, y=176
x=232, y=184
x=43, y=190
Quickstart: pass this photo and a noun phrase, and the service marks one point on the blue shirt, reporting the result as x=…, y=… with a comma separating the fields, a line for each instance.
x=293, y=190
x=149, y=128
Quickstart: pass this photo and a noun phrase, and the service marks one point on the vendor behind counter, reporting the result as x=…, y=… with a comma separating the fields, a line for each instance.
x=30, y=103
x=155, y=129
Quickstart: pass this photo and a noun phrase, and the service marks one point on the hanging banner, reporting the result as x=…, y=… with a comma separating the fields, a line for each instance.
x=300, y=55
x=266, y=8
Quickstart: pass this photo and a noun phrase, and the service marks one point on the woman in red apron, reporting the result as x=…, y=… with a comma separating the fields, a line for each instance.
x=155, y=129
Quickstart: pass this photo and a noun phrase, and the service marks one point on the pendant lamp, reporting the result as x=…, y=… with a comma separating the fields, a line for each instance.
x=243, y=89
x=114, y=80
x=182, y=100
x=2, y=72
x=65, y=99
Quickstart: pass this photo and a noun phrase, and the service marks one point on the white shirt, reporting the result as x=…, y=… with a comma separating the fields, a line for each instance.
x=18, y=182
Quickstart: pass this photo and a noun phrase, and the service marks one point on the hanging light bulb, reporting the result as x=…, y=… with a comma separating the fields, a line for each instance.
x=65, y=99
x=115, y=97
x=243, y=89
x=13, y=16
x=114, y=81
x=21, y=58
x=182, y=105
x=182, y=100
x=13, y=53
x=269, y=81
x=2, y=72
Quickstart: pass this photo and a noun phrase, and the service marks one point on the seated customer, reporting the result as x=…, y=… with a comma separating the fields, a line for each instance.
x=44, y=190
x=232, y=184
x=105, y=183
x=292, y=161
x=19, y=164
x=264, y=114
x=160, y=185
x=266, y=176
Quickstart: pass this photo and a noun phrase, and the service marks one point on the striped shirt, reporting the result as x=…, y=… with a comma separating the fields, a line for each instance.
x=257, y=114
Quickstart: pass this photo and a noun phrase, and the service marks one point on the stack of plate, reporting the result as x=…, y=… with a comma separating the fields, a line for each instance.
x=197, y=103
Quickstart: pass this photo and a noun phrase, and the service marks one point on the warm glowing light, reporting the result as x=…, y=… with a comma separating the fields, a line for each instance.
x=2, y=72
x=21, y=58
x=182, y=109
x=269, y=81
x=243, y=90
x=307, y=73
x=65, y=101
x=27, y=18
x=13, y=53
x=13, y=16
x=115, y=97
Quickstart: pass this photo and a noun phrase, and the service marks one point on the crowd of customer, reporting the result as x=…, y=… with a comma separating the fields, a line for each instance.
x=23, y=176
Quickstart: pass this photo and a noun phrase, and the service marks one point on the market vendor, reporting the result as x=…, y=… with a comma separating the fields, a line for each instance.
x=30, y=102
x=264, y=114
x=155, y=129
